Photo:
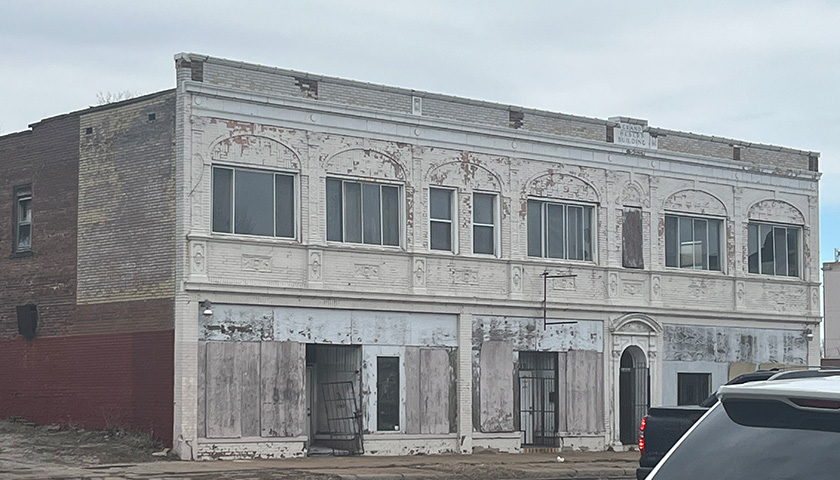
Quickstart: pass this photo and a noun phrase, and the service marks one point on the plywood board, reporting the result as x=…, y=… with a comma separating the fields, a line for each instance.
x=496, y=383
x=434, y=390
x=223, y=395
x=412, y=389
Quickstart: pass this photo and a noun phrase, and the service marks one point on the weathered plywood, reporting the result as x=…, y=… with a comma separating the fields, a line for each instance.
x=223, y=395
x=632, y=238
x=434, y=390
x=412, y=389
x=283, y=402
x=202, y=390
x=248, y=371
x=496, y=383
x=584, y=387
x=562, y=406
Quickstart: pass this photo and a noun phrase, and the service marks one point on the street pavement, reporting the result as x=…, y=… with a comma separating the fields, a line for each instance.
x=577, y=465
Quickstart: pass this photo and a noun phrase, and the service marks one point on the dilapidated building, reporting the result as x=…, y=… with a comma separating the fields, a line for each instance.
x=366, y=269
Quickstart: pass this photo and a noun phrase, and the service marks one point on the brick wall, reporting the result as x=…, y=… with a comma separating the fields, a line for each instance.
x=95, y=381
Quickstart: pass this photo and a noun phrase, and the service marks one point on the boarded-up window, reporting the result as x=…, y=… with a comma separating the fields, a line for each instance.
x=631, y=238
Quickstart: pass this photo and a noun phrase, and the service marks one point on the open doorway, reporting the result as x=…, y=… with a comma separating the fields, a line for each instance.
x=333, y=403
x=633, y=393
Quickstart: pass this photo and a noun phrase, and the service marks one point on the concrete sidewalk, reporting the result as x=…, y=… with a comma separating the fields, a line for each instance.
x=581, y=465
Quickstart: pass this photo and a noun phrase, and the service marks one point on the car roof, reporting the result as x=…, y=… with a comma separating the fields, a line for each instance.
x=827, y=388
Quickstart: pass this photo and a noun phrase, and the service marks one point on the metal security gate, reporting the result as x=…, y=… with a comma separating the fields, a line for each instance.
x=538, y=397
x=343, y=417
x=633, y=394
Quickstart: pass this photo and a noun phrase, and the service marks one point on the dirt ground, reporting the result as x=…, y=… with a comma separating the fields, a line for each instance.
x=23, y=444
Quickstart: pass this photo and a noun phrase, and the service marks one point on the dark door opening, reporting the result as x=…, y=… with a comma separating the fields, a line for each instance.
x=334, y=400
x=538, y=398
x=633, y=394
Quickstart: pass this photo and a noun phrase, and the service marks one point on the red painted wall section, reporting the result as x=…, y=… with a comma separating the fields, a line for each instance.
x=95, y=381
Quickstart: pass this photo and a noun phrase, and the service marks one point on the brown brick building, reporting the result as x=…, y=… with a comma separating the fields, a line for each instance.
x=91, y=200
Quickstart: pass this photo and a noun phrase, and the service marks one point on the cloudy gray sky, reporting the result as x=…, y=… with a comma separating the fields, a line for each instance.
x=761, y=71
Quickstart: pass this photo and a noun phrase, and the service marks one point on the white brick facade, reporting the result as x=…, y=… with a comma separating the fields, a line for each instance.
x=255, y=117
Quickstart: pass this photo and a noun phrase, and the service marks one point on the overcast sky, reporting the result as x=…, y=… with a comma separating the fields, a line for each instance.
x=759, y=71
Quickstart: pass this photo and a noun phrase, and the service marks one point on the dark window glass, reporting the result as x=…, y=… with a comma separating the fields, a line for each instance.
x=768, y=255
x=780, y=250
x=441, y=204
x=440, y=219
x=24, y=222
x=672, y=239
x=387, y=393
x=284, y=205
x=371, y=214
x=714, y=245
x=793, y=251
x=693, y=388
x=484, y=237
x=222, y=200
x=252, y=204
x=352, y=212
x=363, y=213
x=535, y=233
x=753, y=259
x=335, y=209
x=555, y=231
x=686, y=242
x=700, y=241
x=390, y=216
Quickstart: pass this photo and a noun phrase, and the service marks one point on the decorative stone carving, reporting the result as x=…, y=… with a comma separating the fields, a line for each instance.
x=634, y=195
x=776, y=211
x=466, y=171
x=419, y=272
x=656, y=289
x=363, y=271
x=256, y=263
x=199, y=263
x=366, y=162
x=516, y=279
x=315, y=266
x=562, y=186
x=612, y=286
x=255, y=150
x=695, y=201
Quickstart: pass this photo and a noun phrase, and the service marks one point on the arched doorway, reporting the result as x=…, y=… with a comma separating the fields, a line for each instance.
x=633, y=393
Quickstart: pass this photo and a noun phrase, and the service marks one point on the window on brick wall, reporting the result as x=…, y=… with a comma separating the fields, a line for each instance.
x=693, y=388
x=363, y=212
x=22, y=220
x=253, y=202
x=441, y=219
x=692, y=242
x=773, y=249
x=485, y=223
x=560, y=230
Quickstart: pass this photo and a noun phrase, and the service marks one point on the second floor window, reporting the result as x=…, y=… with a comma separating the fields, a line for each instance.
x=23, y=220
x=363, y=212
x=773, y=249
x=441, y=231
x=692, y=242
x=559, y=230
x=484, y=223
x=253, y=202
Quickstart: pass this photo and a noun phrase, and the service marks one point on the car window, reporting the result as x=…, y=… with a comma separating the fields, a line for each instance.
x=722, y=449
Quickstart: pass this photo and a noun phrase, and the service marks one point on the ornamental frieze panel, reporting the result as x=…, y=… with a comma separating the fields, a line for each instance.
x=366, y=162
x=254, y=149
x=695, y=201
x=776, y=211
x=562, y=186
x=468, y=171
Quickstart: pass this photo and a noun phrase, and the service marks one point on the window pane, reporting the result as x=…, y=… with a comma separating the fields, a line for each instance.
x=24, y=239
x=390, y=216
x=441, y=204
x=371, y=214
x=534, y=229
x=441, y=236
x=25, y=210
x=334, y=210
x=483, y=241
x=793, y=251
x=671, y=241
x=387, y=393
x=767, y=256
x=714, y=244
x=693, y=388
x=574, y=228
x=587, y=233
x=554, y=231
x=752, y=230
x=780, y=250
x=700, y=250
x=352, y=212
x=483, y=208
x=253, y=200
x=686, y=237
x=284, y=205
x=222, y=199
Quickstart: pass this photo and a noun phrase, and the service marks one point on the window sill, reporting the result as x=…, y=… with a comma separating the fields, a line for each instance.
x=22, y=254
